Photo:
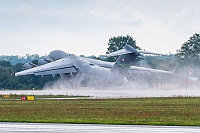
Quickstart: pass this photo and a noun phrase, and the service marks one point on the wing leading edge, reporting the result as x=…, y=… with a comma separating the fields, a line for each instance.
x=135, y=69
x=56, y=67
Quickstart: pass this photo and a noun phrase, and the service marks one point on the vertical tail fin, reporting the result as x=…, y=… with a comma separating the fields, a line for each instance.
x=123, y=63
x=127, y=56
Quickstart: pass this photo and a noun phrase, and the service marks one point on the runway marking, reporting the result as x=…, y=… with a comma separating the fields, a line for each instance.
x=60, y=128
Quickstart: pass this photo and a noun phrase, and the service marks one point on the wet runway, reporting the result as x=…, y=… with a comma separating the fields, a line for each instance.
x=112, y=92
x=90, y=128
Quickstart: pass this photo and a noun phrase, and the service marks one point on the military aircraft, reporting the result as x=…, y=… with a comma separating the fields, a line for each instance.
x=69, y=65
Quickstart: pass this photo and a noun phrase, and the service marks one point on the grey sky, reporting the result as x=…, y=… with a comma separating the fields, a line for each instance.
x=85, y=26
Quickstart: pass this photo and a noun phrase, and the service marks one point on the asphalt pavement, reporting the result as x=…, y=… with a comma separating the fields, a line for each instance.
x=91, y=128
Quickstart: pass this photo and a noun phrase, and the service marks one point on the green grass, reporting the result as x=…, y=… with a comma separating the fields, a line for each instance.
x=18, y=97
x=151, y=111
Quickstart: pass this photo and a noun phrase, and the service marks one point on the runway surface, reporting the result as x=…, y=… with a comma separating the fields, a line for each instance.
x=90, y=128
x=111, y=92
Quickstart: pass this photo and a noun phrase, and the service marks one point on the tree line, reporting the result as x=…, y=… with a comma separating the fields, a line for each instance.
x=14, y=59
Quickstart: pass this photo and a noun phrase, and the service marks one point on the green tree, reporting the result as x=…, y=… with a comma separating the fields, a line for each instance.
x=7, y=81
x=5, y=63
x=18, y=67
x=117, y=43
x=190, y=51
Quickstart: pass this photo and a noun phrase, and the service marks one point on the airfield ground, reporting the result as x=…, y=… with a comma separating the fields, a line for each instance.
x=150, y=111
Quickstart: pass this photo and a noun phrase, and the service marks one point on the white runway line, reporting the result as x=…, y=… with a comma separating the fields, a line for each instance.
x=91, y=128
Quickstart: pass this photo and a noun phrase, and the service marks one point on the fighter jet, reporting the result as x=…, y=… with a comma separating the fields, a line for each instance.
x=64, y=64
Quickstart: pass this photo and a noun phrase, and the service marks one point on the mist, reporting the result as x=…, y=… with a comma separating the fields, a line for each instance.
x=138, y=85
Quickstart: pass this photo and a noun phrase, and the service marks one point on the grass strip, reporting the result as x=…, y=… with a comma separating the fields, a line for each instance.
x=151, y=111
x=18, y=97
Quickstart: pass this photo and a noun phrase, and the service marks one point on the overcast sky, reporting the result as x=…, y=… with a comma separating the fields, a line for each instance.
x=85, y=26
